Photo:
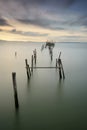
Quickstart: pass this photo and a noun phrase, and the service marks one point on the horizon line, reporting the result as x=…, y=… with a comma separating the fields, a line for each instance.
x=42, y=42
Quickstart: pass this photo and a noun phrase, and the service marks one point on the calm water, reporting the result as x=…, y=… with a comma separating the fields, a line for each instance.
x=45, y=102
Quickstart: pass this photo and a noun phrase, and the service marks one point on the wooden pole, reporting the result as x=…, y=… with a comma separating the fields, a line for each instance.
x=15, y=90
x=35, y=58
x=59, y=64
x=62, y=70
x=26, y=62
x=60, y=75
x=35, y=55
x=29, y=70
x=32, y=63
x=51, y=57
x=56, y=63
x=59, y=55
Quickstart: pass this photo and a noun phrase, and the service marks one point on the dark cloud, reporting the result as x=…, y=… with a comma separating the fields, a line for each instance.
x=44, y=23
x=69, y=2
x=57, y=25
x=35, y=34
x=38, y=22
x=83, y=20
x=24, y=8
x=57, y=3
x=37, y=12
x=57, y=28
x=14, y=31
x=1, y=30
x=78, y=21
x=32, y=8
x=3, y=22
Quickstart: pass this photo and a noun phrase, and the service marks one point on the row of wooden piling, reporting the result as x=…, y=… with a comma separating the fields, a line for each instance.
x=29, y=71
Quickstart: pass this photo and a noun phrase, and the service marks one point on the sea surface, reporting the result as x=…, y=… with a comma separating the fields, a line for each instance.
x=45, y=102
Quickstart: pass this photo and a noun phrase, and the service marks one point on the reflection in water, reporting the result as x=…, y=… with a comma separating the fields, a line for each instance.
x=51, y=52
x=61, y=83
x=17, y=118
x=15, y=54
x=51, y=57
x=17, y=113
x=60, y=86
x=28, y=84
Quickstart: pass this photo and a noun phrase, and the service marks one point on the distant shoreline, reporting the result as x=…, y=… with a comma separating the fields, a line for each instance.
x=40, y=42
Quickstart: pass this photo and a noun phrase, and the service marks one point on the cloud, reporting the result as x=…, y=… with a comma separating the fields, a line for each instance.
x=32, y=8
x=14, y=31
x=35, y=34
x=69, y=2
x=1, y=30
x=57, y=28
x=45, y=14
x=62, y=3
x=77, y=22
x=37, y=22
x=42, y=22
x=3, y=22
x=35, y=12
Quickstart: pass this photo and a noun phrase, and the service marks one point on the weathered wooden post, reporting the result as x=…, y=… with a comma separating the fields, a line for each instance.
x=56, y=63
x=60, y=75
x=27, y=68
x=59, y=55
x=51, y=57
x=59, y=63
x=32, y=63
x=35, y=56
x=62, y=70
x=15, y=90
x=62, y=67
x=26, y=62
x=27, y=72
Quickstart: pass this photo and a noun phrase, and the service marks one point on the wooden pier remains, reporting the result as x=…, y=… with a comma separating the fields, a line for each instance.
x=29, y=70
x=44, y=67
x=58, y=66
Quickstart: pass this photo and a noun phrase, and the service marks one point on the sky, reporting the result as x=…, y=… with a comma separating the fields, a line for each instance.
x=41, y=20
